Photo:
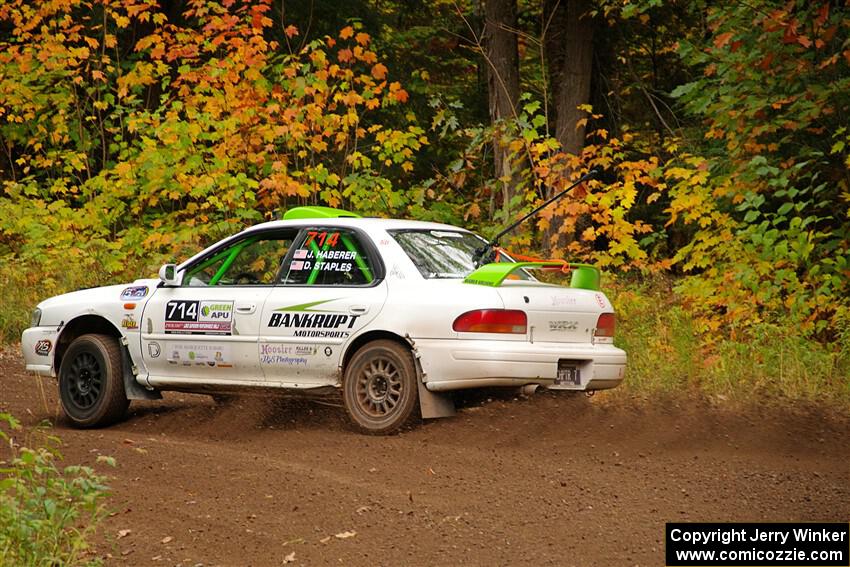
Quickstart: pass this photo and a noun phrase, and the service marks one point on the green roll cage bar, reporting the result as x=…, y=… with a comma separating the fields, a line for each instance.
x=230, y=254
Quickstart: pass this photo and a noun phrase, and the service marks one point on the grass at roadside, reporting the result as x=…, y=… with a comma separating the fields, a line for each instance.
x=667, y=355
x=48, y=514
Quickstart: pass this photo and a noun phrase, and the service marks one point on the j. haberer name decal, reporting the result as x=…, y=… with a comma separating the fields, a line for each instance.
x=312, y=320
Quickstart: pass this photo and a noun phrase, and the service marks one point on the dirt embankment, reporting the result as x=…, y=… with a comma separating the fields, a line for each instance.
x=550, y=480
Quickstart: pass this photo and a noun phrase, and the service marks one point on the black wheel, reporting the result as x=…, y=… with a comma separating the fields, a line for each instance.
x=91, y=385
x=379, y=388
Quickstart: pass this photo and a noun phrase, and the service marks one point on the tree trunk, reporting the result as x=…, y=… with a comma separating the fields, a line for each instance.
x=500, y=44
x=569, y=49
x=573, y=88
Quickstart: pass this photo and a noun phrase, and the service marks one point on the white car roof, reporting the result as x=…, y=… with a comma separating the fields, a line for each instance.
x=369, y=223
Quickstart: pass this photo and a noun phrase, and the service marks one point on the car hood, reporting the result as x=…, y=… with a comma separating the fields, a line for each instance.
x=69, y=305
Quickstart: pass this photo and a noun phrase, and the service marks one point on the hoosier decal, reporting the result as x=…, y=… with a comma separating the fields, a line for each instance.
x=198, y=317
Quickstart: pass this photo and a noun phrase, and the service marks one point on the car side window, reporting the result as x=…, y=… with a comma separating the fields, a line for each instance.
x=254, y=260
x=328, y=257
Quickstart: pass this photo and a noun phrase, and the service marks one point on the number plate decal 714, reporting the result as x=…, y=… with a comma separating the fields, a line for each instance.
x=198, y=317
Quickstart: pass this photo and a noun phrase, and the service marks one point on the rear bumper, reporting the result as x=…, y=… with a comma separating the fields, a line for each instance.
x=451, y=364
x=38, y=345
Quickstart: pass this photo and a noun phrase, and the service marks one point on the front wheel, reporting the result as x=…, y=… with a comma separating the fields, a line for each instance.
x=379, y=387
x=91, y=385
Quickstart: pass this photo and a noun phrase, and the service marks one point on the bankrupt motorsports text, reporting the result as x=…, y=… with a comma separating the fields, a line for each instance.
x=757, y=544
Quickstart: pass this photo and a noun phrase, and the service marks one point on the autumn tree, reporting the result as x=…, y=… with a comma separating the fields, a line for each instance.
x=502, y=63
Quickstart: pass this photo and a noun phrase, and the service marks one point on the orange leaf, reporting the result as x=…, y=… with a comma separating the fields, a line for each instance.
x=401, y=95
x=722, y=39
x=344, y=55
x=346, y=32
x=290, y=31
x=362, y=38
x=379, y=71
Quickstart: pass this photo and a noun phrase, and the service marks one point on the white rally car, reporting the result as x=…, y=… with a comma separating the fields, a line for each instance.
x=395, y=313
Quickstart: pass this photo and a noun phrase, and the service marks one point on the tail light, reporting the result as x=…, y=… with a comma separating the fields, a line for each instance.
x=605, y=326
x=511, y=321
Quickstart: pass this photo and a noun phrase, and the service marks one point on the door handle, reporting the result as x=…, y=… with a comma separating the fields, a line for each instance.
x=246, y=308
x=358, y=309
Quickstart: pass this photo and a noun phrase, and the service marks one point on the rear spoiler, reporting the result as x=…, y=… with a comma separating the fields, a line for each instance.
x=584, y=276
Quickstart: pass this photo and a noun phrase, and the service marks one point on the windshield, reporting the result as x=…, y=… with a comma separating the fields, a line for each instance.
x=444, y=253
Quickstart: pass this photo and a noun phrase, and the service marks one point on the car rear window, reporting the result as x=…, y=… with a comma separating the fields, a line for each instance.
x=444, y=253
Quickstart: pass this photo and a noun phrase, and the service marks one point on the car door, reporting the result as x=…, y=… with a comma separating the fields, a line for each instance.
x=330, y=287
x=205, y=331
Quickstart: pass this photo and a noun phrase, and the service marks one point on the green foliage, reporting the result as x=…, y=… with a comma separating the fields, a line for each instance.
x=668, y=354
x=773, y=97
x=47, y=515
x=133, y=136
x=130, y=137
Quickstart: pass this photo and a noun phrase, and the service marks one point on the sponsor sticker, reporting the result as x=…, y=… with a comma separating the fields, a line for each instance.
x=134, y=292
x=154, y=350
x=198, y=317
x=211, y=355
x=42, y=347
x=282, y=355
x=305, y=321
x=600, y=299
x=298, y=350
x=129, y=322
x=561, y=300
x=555, y=326
x=282, y=360
x=328, y=351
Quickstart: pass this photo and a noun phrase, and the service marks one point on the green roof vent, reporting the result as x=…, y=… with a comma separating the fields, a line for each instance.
x=316, y=212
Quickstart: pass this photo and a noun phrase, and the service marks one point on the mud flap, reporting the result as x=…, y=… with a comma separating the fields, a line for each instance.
x=432, y=404
x=132, y=389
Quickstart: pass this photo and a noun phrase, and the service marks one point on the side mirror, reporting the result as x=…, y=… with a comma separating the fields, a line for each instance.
x=168, y=275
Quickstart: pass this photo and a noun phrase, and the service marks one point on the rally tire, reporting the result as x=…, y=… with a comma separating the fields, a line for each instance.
x=380, y=388
x=91, y=384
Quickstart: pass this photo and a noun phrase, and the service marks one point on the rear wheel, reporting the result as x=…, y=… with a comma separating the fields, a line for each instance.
x=91, y=386
x=379, y=388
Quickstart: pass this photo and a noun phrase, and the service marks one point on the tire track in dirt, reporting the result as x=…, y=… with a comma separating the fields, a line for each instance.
x=550, y=480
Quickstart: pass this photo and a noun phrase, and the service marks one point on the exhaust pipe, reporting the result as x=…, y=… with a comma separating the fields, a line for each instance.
x=528, y=389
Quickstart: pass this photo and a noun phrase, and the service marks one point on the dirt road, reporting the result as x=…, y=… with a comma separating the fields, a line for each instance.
x=550, y=480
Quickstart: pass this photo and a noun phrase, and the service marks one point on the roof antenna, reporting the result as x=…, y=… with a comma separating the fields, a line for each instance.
x=481, y=253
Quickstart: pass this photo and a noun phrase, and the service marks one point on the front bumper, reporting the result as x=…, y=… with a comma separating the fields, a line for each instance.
x=38, y=345
x=452, y=364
